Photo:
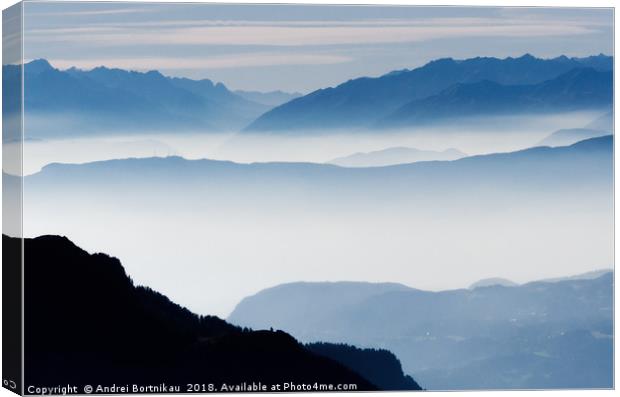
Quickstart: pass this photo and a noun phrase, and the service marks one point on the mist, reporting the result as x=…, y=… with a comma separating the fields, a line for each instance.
x=471, y=136
x=209, y=261
x=208, y=234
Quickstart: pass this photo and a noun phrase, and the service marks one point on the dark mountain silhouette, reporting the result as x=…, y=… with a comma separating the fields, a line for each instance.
x=379, y=366
x=86, y=323
x=555, y=334
x=361, y=102
x=128, y=100
x=583, y=88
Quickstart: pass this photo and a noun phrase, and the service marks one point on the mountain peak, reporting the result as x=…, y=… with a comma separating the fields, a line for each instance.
x=101, y=68
x=397, y=72
x=493, y=282
x=154, y=73
x=37, y=66
x=562, y=58
x=527, y=56
x=441, y=62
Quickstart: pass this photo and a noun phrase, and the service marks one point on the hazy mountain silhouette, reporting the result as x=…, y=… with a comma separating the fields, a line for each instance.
x=583, y=88
x=312, y=298
x=569, y=136
x=128, y=100
x=583, y=276
x=363, y=101
x=106, y=330
x=395, y=155
x=564, y=172
x=602, y=125
x=489, y=282
x=537, y=335
x=272, y=98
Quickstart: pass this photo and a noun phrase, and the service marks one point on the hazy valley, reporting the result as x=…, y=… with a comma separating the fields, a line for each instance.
x=351, y=217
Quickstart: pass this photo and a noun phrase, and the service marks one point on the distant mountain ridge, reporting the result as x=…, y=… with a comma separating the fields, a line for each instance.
x=543, y=334
x=583, y=276
x=109, y=100
x=605, y=122
x=569, y=136
x=395, y=155
x=271, y=98
x=120, y=100
x=601, y=126
x=115, y=332
x=362, y=102
x=588, y=162
x=311, y=298
x=488, y=282
x=578, y=89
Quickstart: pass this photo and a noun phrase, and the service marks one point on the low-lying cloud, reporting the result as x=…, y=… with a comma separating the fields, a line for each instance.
x=241, y=60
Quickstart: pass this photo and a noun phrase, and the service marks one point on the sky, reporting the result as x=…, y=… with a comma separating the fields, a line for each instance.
x=299, y=48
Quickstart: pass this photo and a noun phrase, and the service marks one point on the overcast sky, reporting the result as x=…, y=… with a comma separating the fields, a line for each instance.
x=299, y=48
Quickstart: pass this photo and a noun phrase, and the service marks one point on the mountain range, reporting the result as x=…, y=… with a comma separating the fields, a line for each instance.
x=501, y=177
x=113, y=332
x=578, y=89
x=120, y=100
x=390, y=99
x=539, y=335
x=75, y=102
x=494, y=281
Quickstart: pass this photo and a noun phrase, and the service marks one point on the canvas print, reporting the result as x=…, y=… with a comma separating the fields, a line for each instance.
x=232, y=198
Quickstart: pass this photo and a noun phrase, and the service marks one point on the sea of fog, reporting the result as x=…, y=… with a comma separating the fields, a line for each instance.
x=208, y=258
x=473, y=136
